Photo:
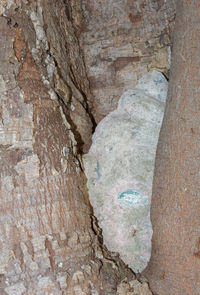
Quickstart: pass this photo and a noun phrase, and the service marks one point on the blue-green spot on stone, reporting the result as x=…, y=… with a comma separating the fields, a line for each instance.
x=132, y=197
x=97, y=170
x=134, y=130
x=158, y=81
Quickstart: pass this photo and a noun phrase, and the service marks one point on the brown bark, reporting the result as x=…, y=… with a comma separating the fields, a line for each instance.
x=175, y=264
x=49, y=240
x=121, y=41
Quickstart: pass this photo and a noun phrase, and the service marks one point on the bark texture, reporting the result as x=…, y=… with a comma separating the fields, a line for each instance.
x=175, y=263
x=49, y=240
x=121, y=41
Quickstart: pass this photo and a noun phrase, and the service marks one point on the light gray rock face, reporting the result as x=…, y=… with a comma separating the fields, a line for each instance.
x=119, y=168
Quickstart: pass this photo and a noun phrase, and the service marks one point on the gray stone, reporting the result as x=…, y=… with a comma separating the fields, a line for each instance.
x=119, y=167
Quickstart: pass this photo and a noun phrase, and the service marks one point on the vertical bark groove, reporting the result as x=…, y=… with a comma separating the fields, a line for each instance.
x=47, y=244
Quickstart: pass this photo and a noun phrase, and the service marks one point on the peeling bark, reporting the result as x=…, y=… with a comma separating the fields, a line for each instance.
x=48, y=244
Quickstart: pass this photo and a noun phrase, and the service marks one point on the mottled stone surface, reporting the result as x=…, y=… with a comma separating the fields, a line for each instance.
x=120, y=165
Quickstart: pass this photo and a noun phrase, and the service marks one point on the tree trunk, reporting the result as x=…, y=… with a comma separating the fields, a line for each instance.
x=122, y=40
x=49, y=240
x=175, y=263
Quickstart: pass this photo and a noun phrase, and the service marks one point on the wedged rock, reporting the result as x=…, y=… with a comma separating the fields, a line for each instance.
x=119, y=168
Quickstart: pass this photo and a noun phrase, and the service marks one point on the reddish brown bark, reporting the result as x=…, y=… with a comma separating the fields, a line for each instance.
x=175, y=265
x=49, y=242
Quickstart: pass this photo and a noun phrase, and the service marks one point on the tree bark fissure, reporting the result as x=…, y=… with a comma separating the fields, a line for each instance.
x=49, y=245
x=50, y=242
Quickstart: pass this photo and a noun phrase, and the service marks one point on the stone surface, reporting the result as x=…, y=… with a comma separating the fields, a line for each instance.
x=119, y=168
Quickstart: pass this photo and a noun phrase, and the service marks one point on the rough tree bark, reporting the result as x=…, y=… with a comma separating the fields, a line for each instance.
x=121, y=41
x=49, y=240
x=175, y=263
